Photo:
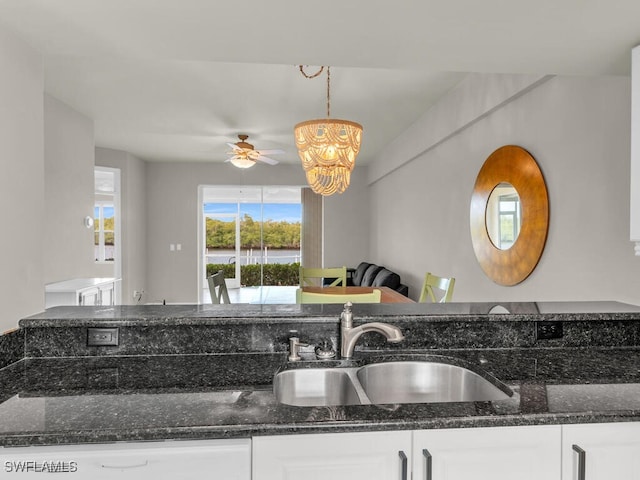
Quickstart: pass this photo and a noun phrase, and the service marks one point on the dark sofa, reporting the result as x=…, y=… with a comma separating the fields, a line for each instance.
x=372, y=275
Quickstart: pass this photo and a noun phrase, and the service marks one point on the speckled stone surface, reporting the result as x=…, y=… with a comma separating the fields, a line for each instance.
x=154, y=315
x=205, y=372
x=271, y=335
x=11, y=347
x=51, y=401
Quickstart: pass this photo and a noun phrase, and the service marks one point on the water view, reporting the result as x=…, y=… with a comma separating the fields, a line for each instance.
x=252, y=256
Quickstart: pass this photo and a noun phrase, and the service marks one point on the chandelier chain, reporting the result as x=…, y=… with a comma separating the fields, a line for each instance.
x=313, y=75
x=316, y=74
x=328, y=92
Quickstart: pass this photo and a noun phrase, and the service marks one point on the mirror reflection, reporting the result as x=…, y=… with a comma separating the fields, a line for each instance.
x=503, y=216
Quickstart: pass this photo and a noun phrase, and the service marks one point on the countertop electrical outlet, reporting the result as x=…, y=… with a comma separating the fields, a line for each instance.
x=548, y=330
x=102, y=337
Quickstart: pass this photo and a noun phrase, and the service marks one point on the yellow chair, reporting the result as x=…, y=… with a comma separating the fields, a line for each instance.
x=218, y=288
x=307, y=274
x=312, y=297
x=443, y=284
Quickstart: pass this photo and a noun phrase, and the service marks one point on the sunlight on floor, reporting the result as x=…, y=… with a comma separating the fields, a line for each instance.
x=265, y=295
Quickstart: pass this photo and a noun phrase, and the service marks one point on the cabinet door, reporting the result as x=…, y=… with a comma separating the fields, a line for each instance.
x=500, y=453
x=89, y=296
x=184, y=460
x=611, y=451
x=106, y=294
x=352, y=456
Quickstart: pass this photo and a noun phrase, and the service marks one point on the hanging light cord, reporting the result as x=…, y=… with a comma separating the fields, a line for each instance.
x=314, y=75
x=328, y=92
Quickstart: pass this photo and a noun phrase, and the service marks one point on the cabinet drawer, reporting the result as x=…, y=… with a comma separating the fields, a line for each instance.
x=185, y=460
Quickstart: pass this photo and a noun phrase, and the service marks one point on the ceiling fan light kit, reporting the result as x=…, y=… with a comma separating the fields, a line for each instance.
x=242, y=162
x=246, y=156
x=327, y=148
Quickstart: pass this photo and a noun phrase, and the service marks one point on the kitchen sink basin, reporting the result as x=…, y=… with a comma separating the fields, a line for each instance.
x=424, y=382
x=394, y=382
x=315, y=387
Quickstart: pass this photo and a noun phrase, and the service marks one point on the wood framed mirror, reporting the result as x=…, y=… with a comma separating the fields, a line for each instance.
x=511, y=250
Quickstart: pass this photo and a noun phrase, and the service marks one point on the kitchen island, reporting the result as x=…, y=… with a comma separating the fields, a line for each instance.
x=199, y=372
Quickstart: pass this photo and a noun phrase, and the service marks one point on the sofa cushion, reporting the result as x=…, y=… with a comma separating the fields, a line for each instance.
x=370, y=275
x=358, y=274
x=386, y=278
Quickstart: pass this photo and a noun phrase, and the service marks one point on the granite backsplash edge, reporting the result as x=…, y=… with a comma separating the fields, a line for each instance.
x=12, y=347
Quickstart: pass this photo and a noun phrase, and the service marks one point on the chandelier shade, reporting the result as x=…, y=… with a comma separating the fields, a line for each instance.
x=327, y=148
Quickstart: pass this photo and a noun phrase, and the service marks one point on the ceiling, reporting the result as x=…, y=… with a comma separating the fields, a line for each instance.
x=176, y=80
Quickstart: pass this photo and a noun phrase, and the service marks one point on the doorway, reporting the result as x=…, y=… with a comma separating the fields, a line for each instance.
x=251, y=233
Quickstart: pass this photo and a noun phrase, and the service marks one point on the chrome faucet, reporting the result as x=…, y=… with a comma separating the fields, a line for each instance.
x=350, y=335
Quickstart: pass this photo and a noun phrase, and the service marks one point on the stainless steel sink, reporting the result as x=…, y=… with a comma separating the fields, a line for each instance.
x=315, y=387
x=385, y=383
x=425, y=382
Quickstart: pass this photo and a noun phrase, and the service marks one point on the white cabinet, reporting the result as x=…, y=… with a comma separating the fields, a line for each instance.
x=611, y=451
x=500, y=453
x=81, y=291
x=352, y=456
x=184, y=460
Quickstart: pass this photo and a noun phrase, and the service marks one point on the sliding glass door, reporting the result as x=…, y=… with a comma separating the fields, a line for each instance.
x=252, y=234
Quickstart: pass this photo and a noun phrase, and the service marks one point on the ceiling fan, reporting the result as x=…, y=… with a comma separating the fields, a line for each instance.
x=245, y=156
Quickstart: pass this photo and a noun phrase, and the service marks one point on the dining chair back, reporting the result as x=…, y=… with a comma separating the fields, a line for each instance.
x=315, y=277
x=443, y=285
x=218, y=288
x=313, y=297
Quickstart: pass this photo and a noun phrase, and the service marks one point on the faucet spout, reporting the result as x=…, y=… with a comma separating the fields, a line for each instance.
x=350, y=335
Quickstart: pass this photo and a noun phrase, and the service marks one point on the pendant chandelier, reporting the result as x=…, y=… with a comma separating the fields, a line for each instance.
x=327, y=147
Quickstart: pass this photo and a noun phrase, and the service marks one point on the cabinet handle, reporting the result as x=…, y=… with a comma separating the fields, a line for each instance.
x=428, y=461
x=403, y=465
x=582, y=457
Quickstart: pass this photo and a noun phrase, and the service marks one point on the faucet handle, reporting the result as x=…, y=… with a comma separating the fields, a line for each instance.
x=294, y=348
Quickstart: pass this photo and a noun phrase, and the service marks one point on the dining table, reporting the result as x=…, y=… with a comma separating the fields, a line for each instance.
x=387, y=295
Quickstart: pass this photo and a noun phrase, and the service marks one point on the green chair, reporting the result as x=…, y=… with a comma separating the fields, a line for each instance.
x=444, y=285
x=315, y=276
x=218, y=288
x=312, y=297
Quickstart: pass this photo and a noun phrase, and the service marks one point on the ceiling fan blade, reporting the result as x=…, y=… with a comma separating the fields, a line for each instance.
x=268, y=160
x=234, y=146
x=270, y=152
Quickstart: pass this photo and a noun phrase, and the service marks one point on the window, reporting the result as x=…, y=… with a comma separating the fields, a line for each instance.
x=105, y=215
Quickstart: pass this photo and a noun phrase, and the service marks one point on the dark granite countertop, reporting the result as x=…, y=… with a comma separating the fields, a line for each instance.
x=104, y=399
x=236, y=314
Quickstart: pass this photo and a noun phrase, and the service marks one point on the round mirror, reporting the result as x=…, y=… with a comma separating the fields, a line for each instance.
x=510, y=261
x=503, y=216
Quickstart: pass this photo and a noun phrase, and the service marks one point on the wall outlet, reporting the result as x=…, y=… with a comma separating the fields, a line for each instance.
x=102, y=337
x=137, y=294
x=548, y=330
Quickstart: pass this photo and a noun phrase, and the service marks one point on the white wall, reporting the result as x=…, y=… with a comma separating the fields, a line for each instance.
x=578, y=130
x=21, y=181
x=69, y=192
x=346, y=224
x=133, y=206
x=172, y=203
